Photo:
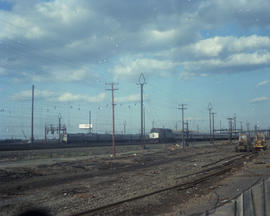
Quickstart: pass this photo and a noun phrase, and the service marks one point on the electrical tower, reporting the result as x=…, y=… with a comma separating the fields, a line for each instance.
x=182, y=107
x=141, y=82
x=112, y=89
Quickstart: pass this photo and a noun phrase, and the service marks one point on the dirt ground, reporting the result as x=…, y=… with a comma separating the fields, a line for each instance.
x=71, y=181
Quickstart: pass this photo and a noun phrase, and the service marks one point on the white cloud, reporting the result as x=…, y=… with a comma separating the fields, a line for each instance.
x=239, y=62
x=132, y=67
x=263, y=83
x=259, y=99
x=129, y=98
x=55, y=96
x=215, y=46
x=66, y=97
x=43, y=36
x=27, y=94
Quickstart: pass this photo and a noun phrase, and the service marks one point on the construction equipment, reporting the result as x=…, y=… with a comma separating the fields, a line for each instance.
x=260, y=143
x=244, y=143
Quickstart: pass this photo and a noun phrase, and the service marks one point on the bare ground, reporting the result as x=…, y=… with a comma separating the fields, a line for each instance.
x=71, y=181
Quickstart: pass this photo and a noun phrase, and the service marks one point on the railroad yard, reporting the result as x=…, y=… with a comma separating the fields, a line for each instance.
x=163, y=179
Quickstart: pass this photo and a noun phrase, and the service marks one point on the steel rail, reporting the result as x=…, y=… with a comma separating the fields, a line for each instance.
x=208, y=173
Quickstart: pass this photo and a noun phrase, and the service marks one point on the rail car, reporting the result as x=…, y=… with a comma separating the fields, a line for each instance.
x=159, y=135
x=156, y=135
x=95, y=138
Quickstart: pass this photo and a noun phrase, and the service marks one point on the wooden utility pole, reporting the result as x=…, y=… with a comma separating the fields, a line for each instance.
x=213, y=124
x=59, y=127
x=112, y=89
x=32, y=115
x=230, y=129
x=210, y=121
x=90, y=122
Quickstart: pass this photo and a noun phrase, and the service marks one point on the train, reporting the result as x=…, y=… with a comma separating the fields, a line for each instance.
x=159, y=135
x=156, y=135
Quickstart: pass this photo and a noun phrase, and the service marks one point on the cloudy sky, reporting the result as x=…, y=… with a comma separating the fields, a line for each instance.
x=192, y=52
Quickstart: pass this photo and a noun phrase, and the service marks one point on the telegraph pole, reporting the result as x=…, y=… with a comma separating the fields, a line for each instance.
x=141, y=82
x=124, y=124
x=59, y=127
x=247, y=124
x=210, y=107
x=241, y=126
x=234, y=123
x=230, y=129
x=182, y=107
x=213, y=124
x=90, y=121
x=112, y=89
x=187, y=133
x=32, y=115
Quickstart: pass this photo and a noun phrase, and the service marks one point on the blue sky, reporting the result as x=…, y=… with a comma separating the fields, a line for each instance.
x=192, y=52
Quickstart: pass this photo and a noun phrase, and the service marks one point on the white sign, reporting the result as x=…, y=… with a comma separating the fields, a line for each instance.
x=85, y=126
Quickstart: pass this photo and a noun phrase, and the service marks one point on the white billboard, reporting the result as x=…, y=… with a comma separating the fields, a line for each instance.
x=85, y=126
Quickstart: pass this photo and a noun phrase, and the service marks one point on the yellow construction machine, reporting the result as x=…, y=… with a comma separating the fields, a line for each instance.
x=244, y=143
x=260, y=142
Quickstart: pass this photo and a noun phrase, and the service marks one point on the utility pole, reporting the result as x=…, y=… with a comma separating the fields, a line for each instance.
x=32, y=115
x=220, y=126
x=230, y=129
x=213, y=123
x=241, y=126
x=59, y=127
x=182, y=107
x=187, y=133
x=125, y=124
x=143, y=121
x=141, y=82
x=255, y=129
x=247, y=124
x=46, y=131
x=210, y=107
x=234, y=123
x=153, y=124
x=112, y=89
x=90, y=122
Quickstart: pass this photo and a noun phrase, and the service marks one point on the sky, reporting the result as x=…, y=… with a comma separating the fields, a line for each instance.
x=192, y=52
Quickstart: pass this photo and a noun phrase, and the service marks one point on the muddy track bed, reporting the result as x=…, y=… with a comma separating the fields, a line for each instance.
x=72, y=187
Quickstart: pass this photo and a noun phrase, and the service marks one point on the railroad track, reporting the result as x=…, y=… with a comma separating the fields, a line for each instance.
x=196, y=178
